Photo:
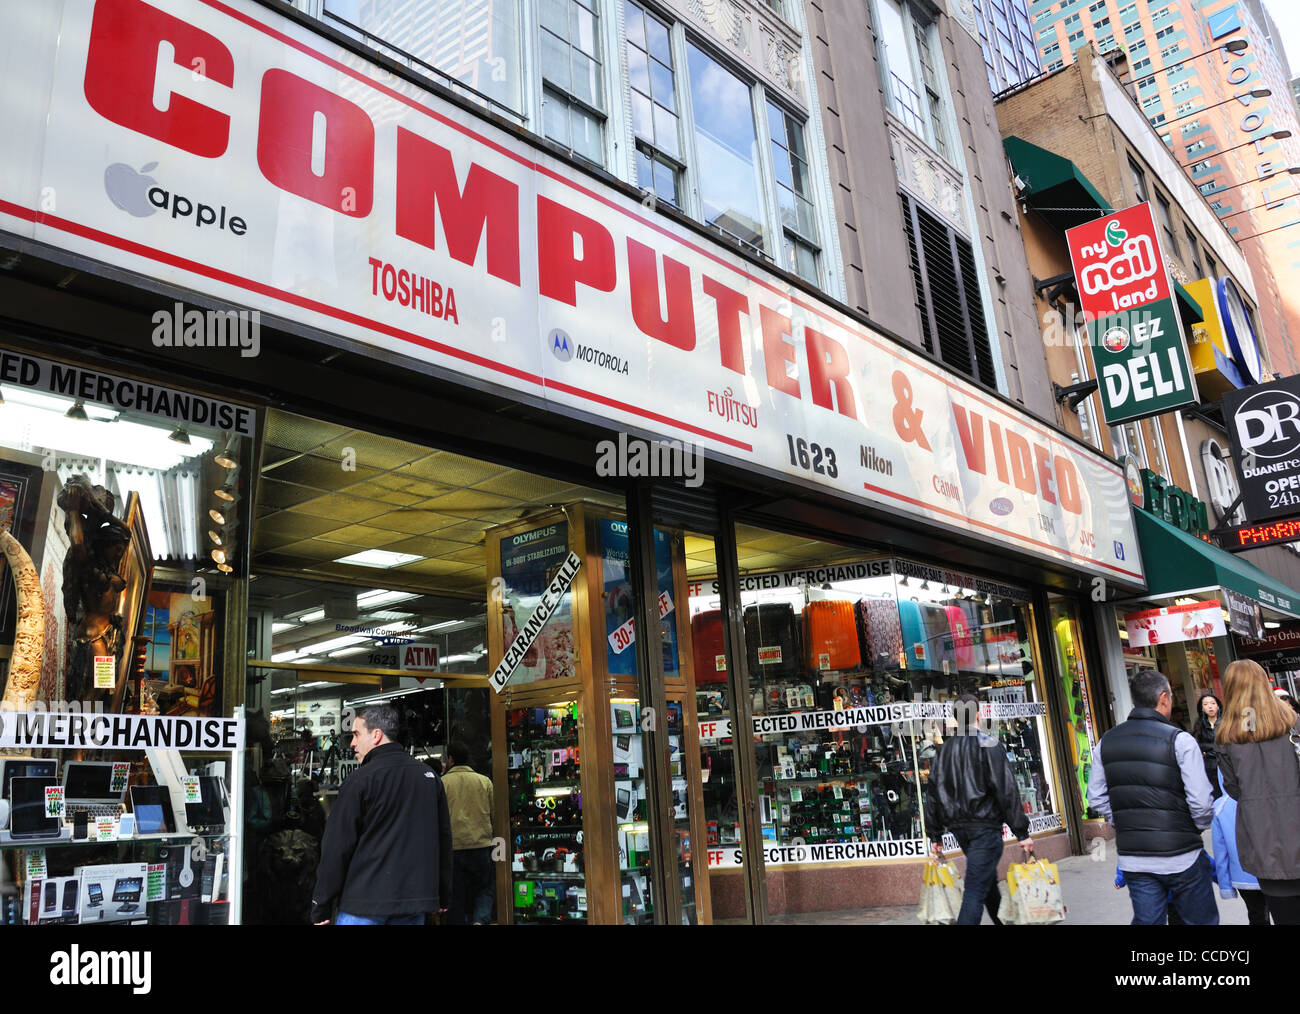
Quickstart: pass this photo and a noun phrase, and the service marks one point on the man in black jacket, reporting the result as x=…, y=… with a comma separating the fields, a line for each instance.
x=386, y=856
x=1148, y=779
x=972, y=792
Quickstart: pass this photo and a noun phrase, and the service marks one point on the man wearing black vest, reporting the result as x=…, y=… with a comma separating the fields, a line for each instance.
x=1148, y=779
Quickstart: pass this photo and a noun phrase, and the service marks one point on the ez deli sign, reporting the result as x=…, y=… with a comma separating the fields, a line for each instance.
x=340, y=172
x=1143, y=368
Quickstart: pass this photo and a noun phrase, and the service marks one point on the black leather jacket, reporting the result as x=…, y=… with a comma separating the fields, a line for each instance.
x=972, y=785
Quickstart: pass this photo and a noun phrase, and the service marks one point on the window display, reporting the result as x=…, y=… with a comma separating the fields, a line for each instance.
x=114, y=633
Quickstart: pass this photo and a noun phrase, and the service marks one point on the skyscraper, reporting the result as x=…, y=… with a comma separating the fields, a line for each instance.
x=1007, y=38
x=1212, y=112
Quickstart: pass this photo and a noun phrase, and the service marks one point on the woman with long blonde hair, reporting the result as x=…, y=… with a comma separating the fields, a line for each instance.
x=1256, y=741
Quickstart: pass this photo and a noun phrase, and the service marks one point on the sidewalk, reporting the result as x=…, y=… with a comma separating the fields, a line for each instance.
x=1090, y=898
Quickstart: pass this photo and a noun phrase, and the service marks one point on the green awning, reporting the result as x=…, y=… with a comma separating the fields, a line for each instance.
x=1192, y=312
x=1052, y=182
x=1177, y=563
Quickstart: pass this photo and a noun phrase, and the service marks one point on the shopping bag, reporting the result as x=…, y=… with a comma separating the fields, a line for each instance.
x=941, y=892
x=1033, y=895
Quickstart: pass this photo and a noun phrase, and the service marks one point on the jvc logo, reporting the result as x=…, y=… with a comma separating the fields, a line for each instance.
x=1268, y=424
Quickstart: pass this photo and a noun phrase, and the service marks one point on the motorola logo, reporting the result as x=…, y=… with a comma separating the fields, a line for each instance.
x=561, y=345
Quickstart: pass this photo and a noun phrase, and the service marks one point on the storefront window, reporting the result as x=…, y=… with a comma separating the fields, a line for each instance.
x=1081, y=704
x=122, y=519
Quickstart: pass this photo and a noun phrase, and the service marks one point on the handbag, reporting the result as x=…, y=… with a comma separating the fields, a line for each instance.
x=1033, y=895
x=941, y=891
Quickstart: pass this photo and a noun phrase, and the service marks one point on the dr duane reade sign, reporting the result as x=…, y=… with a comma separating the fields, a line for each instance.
x=1137, y=342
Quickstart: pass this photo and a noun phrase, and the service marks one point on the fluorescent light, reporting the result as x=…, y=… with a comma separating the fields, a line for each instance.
x=562, y=791
x=280, y=628
x=378, y=558
x=381, y=597
x=312, y=617
x=285, y=656
x=1271, y=625
x=350, y=651
x=450, y=659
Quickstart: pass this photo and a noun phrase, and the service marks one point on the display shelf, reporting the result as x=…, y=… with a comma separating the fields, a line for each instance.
x=546, y=875
x=573, y=783
x=43, y=843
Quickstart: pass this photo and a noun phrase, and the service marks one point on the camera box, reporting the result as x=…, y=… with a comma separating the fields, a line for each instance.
x=113, y=893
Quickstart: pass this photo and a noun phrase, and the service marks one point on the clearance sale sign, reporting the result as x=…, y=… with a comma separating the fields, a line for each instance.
x=221, y=147
x=1133, y=325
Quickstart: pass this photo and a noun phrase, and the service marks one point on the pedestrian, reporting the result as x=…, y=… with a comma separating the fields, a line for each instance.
x=1257, y=742
x=469, y=798
x=1286, y=698
x=1233, y=880
x=1209, y=709
x=972, y=793
x=386, y=855
x=1148, y=780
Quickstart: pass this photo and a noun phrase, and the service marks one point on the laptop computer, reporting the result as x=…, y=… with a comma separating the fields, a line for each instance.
x=88, y=786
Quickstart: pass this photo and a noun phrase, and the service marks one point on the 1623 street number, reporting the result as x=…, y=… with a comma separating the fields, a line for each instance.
x=812, y=457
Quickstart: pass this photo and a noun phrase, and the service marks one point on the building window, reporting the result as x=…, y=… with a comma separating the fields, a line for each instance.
x=1191, y=126
x=1164, y=33
x=572, y=94
x=1105, y=45
x=1073, y=39
x=1194, y=253
x=947, y=290
x=654, y=105
x=727, y=148
x=1139, y=181
x=1134, y=29
x=913, y=89
x=1167, y=224
x=793, y=193
x=472, y=43
x=1211, y=268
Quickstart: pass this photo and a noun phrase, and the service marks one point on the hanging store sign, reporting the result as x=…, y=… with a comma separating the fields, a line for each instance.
x=1171, y=624
x=1174, y=506
x=288, y=175
x=1133, y=324
x=1245, y=617
x=30, y=730
x=860, y=718
x=1283, y=639
x=1272, y=533
x=1264, y=426
x=549, y=602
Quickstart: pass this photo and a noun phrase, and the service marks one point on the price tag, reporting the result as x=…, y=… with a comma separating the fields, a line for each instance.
x=623, y=637
x=720, y=663
x=121, y=772
x=54, y=801
x=796, y=795
x=105, y=829
x=105, y=672
x=193, y=794
x=35, y=863
x=156, y=886
x=838, y=792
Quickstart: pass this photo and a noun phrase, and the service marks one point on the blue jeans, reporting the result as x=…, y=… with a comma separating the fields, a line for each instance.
x=345, y=919
x=983, y=849
x=1191, y=893
x=473, y=893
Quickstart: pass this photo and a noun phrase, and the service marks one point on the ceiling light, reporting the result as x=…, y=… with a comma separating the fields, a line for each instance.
x=78, y=412
x=219, y=555
x=226, y=457
x=312, y=617
x=217, y=513
x=225, y=568
x=216, y=539
x=179, y=435
x=381, y=597
x=1271, y=624
x=226, y=491
x=280, y=628
x=379, y=558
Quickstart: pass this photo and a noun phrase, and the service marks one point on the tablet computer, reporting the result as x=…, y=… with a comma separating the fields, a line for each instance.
x=152, y=806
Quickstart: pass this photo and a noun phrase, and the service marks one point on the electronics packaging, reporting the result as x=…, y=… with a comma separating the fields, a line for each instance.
x=113, y=893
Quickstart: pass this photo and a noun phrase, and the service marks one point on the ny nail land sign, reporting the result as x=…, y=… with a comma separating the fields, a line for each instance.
x=1133, y=323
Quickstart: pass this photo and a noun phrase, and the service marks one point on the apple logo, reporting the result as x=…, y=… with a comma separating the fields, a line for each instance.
x=129, y=189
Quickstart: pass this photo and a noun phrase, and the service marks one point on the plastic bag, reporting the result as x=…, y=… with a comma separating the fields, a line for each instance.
x=1033, y=895
x=941, y=892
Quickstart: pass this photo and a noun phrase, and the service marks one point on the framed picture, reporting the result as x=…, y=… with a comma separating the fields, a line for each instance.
x=137, y=571
x=20, y=487
x=185, y=674
x=194, y=660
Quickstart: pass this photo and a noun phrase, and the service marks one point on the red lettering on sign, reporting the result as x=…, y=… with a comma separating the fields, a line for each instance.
x=731, y=305
x=122, y=64
x=1043, y=463
x=678, y=327
x=1067, y=486
x=427, y=187
x=970, y=430
x=777, y=351
x=559, y=268
x=1022, y=467
x=828, y=364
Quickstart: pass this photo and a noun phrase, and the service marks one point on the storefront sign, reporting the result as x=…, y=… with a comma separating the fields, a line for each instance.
x=813, y=855
x=1283, y=639
x=1271, y=533
x=1264, y=426
x=1133, y=324
x=26, y=730
x=1171, y=624
x=860, y=718
x=1174, y=506
x=129, y=396
x=546, y=606
x=1221, y=482
x=1244, y=615
x=1037, y=825
x=804, y=578
x=418, y=229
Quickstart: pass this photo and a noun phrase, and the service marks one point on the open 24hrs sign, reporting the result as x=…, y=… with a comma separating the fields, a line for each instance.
x=1133, y=324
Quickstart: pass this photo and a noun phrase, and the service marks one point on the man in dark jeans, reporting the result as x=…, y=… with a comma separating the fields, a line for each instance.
x=1148, y=780
x=972, y=792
